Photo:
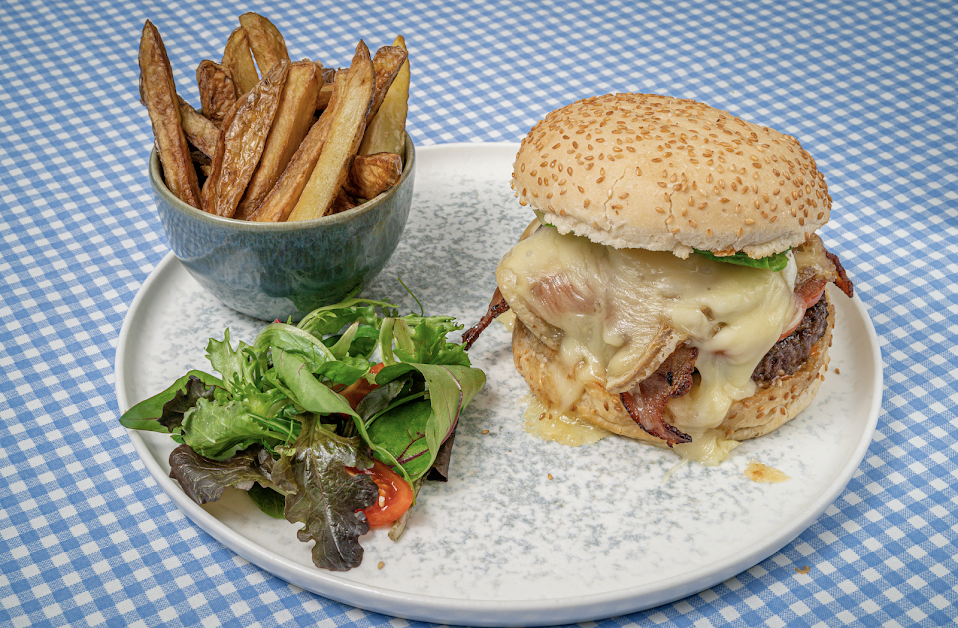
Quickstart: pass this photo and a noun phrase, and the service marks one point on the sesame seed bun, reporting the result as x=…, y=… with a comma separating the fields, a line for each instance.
x=768, y=409
x=667, y=174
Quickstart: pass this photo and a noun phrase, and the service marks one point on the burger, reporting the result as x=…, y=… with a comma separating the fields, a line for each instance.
x=671, y=288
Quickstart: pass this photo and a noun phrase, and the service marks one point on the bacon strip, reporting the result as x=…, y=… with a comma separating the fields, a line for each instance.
x=673, y=378
x=842, y=281
x=497, y=306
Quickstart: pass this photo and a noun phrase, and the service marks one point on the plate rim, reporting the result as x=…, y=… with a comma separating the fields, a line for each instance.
x=569, y=609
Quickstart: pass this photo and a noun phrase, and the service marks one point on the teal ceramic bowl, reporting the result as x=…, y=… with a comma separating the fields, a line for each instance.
x=285, y=270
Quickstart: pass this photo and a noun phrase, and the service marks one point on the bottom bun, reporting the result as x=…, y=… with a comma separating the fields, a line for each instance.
x=774, y=404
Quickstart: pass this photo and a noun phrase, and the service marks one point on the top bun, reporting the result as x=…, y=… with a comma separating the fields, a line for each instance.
x=667, y=174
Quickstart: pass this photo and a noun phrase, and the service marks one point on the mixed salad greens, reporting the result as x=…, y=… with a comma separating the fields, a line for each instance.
x=334, y=422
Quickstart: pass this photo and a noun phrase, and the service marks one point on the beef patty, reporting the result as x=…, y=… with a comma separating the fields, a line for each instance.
x=791, y=352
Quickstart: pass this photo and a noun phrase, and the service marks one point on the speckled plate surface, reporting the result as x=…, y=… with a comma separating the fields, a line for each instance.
x=527, y=532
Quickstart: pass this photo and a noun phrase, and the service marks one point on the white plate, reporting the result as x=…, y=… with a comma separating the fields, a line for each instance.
x=501, y=542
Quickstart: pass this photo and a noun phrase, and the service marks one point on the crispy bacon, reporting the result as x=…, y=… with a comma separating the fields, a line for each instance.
x=646, y=402
x=497, y=306
x=842, y=281
x=811, y=291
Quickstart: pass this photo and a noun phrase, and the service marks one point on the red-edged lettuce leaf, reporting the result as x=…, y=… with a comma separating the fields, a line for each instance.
x=321, y=494
x=204, y=480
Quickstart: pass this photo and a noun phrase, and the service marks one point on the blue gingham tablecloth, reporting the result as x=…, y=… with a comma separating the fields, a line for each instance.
x=868, y=87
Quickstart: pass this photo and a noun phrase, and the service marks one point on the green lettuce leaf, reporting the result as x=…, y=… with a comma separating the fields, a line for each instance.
x=775, y=262
x=268, y=500
x=164, y=411
x=413, y=430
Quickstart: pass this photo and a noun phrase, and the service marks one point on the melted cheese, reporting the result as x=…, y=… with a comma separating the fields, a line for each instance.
x=565, y=429
x=614, y=314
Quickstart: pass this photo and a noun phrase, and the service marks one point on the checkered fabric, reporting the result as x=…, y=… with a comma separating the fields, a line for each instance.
x=87, y=538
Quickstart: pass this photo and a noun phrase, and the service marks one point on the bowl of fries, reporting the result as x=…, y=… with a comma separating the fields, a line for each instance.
x=290, y=186
x=284, y=270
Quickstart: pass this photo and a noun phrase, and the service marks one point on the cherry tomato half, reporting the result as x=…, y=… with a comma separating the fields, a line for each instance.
x=355, y=392
x=395, y=494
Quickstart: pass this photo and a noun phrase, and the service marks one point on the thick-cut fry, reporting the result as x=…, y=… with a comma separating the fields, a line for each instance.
x=262, y=153
x=324, y=95
x=217, y=91
x=202, y=163
x=265, y=40
x=387, y=130
x=347, y=132
x=371, y=175
x=343, y=202
x=387, y=63
x=238, y=60
x=329, y=77
x=159, y=95
x=328, y=74
x=285, y=194
x=200, y=131
x=241, y=142
x=292, y=122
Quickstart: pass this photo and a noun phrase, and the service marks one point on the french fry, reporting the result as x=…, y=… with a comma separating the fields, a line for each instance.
x=344, y=138
x=279, y=203
x=238, y=60
x=293, y=120
x=387, y=63
x=201, y=162
x=158, y=92
x=200, y=130
x=265, y=40
x=241, y=141
x=343, y=202
x=387, y=130
x=371, y=175
x=329, y=74
x=324, y=94
x=217, y=91
x=262, y=153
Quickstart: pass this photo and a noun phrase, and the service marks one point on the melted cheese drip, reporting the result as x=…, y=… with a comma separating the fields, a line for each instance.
x=603, y=308
x=764, y=474
x=565, y=429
